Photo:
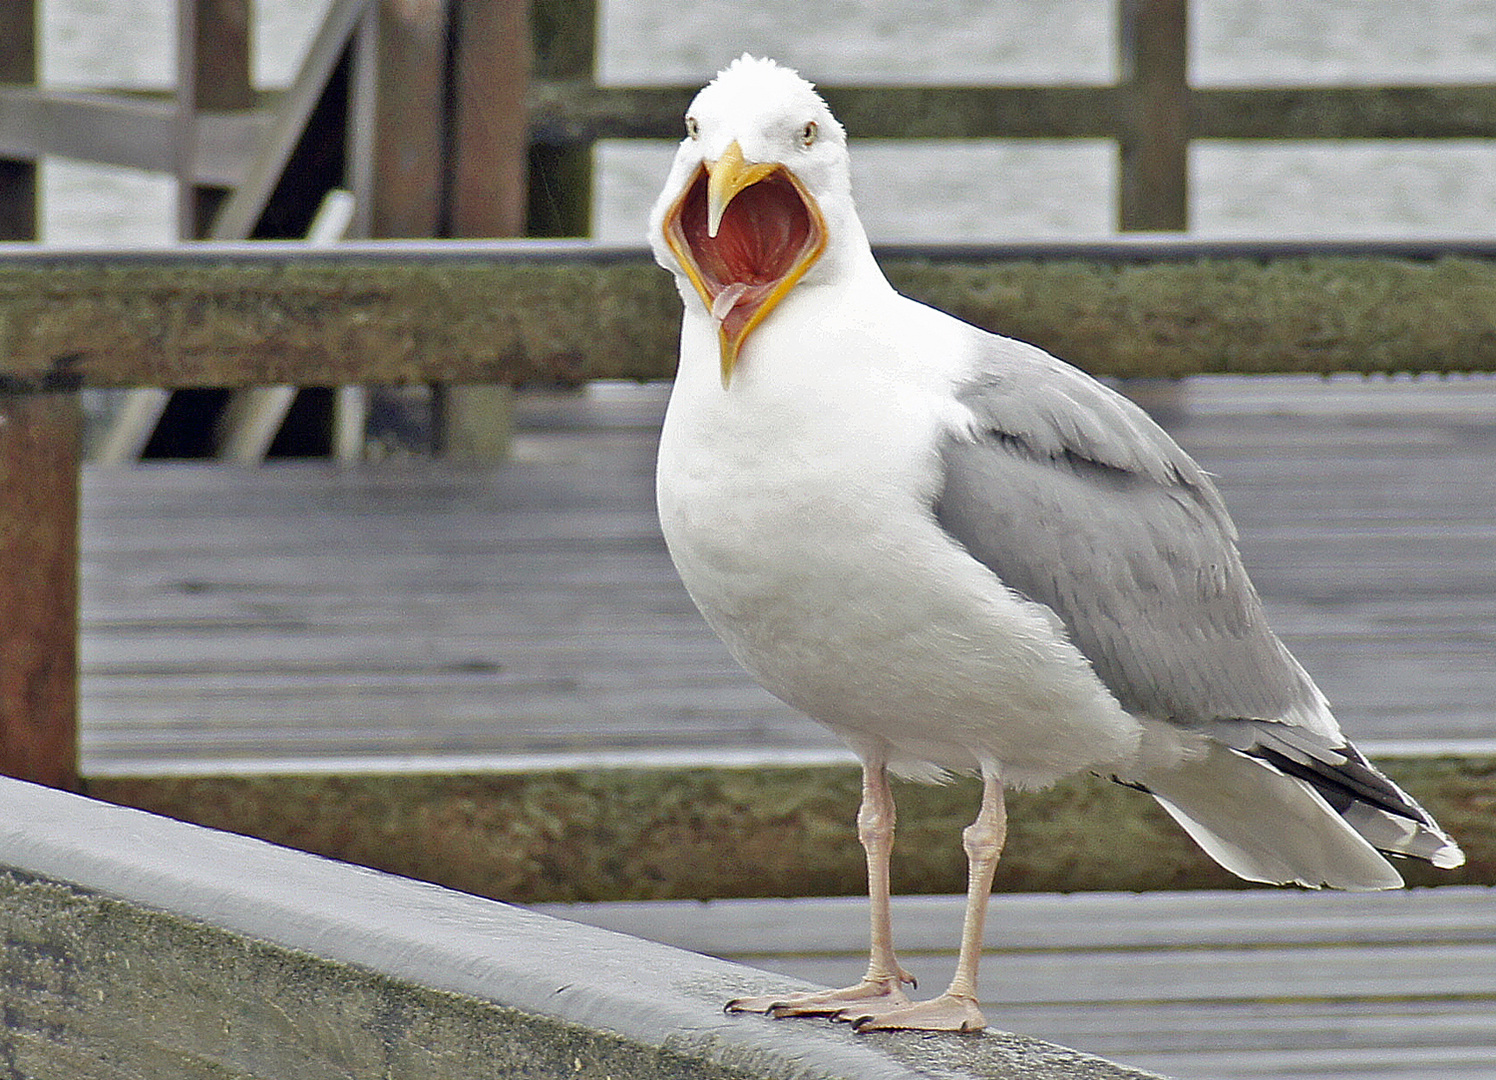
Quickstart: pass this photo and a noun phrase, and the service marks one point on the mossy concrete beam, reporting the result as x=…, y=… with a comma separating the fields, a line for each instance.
x=707, y=833
x=527, y=312
x=135, y=946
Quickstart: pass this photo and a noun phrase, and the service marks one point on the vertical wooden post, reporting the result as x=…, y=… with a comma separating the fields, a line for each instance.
x=1155, y=140
x=490, y=127
x=565, y=34
x=39, y=440
x=410, y=129
x=488, y=176
x=212, y=74
x=18, y=65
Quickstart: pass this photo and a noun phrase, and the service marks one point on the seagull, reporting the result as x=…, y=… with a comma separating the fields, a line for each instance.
x=965, y=556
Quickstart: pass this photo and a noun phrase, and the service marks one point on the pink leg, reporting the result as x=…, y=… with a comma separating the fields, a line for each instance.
x=882, y=985
x=956, y=1009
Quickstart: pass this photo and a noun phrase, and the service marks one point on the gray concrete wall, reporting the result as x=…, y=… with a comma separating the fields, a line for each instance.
x=138, y=946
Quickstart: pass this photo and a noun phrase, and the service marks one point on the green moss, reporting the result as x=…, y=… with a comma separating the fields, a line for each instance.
x=322, y=321
x=617, y=834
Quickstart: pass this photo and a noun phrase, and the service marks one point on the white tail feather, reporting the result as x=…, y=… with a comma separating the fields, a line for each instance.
x=1265, y=826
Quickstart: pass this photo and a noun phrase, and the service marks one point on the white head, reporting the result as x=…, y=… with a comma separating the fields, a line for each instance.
x=759, y=197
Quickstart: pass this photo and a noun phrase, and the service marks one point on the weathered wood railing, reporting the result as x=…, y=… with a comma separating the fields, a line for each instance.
x=511, y=312
x=405, y=104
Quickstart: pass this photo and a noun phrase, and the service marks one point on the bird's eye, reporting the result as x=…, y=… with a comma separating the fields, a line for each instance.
x=808, y=133
x=693, y=129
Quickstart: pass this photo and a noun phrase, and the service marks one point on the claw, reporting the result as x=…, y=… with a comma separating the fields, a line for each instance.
x=831, y=1003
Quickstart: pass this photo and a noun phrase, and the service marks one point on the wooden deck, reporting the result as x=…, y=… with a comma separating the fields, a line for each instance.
x=416, y=615
x=388, y=614
x=1199, y=986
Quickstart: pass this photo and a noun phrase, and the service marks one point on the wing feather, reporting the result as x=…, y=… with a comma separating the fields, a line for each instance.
x=1078, y=501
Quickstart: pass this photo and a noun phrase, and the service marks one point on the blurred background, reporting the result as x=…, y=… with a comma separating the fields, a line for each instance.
x=986, y=190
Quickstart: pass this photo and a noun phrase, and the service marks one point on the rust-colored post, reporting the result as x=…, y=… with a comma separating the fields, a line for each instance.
x=410, y=130
x=487, y=181
x=1154, y=186
x=490, y=129
x=39, y=440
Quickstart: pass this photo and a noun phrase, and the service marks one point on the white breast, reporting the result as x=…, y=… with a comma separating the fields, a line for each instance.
x=796, y=504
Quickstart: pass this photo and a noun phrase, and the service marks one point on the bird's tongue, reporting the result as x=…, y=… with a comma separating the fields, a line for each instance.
x=728, y=299
x=762, y=232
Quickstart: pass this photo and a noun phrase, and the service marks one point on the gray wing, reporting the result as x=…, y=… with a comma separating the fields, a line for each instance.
x=1078, y=501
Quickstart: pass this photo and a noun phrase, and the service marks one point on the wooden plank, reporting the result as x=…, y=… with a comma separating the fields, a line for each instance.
x=39, y=437
x=1265, y=983
x=136, y=132
x=487, y=188
x=1345, y=112
x=570, y=111
x=410, y=123
x=513, y=312
x=531, y=608
x=491, y=71
x=1378, y=574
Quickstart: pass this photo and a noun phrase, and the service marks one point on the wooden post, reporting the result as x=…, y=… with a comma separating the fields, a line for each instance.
x=39, y=440
x=410, y=130
x=18, y=65
x=561, y=176
x=1154, y=186
x=490, y=130
x=488, y=167
x=212, y=74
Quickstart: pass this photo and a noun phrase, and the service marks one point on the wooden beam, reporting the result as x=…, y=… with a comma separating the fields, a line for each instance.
x=519, y=312
x=567, y=112
x=39, y=438
x=488, y=180
x=574, y=112
x=1345, y=112
x=137, y=132
x=140, y=132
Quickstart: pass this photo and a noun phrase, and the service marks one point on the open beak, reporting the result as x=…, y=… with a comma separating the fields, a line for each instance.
x=745, y=233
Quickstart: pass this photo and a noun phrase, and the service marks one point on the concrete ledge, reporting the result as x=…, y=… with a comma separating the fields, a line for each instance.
x=139, y=946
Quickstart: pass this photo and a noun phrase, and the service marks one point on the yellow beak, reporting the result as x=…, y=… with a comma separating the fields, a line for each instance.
x=738, y=303
x=726, y=177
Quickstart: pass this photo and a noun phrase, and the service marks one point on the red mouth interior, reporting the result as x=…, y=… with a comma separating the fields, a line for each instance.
x=764, y=230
